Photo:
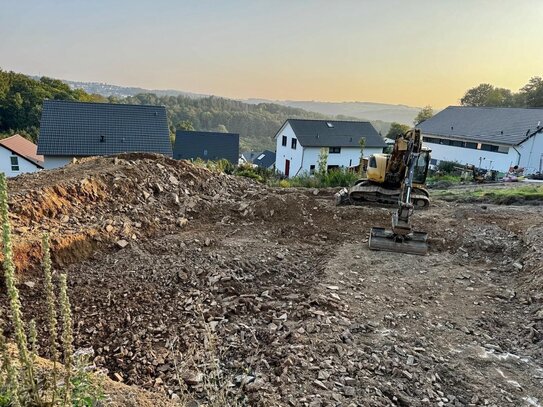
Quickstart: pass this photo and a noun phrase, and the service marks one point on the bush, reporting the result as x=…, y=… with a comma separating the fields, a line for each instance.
x=284, y=183
x=447, y=167
x=333, y=178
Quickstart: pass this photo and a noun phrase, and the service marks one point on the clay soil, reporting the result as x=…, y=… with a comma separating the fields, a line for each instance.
x=163, y=255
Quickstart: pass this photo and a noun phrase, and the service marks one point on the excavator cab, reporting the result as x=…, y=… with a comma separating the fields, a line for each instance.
x=421, y=168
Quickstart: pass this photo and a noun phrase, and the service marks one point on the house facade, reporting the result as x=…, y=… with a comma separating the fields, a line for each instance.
x=71, y=130
x=18, y=156
x=206, y=145
x=299, y=144
x=489, y=138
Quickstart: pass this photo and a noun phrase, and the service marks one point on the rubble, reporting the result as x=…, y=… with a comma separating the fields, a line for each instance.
x=232, y=276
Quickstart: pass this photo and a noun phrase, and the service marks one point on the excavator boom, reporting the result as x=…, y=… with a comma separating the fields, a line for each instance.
x=401, y=238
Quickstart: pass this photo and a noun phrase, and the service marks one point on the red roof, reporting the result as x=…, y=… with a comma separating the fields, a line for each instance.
x=23, y=147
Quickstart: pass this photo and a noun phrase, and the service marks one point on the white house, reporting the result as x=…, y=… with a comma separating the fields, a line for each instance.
x=487, y=137
x=299, y=143
x=78, y=129
x=18, y=156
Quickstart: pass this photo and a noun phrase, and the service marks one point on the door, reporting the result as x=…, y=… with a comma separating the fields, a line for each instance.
x=287, y=168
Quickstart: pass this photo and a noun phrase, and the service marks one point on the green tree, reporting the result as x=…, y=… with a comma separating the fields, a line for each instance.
x=397, y=129
x=221, y=128
x=322, y=163
x=533, y=92
x=487, y=95
x=425, y=113
x=185, y=125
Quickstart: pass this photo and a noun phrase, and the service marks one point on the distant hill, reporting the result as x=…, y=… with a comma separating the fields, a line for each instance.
x=107, y=90
x=381, y=114
x=255, y=120
x=361, y=110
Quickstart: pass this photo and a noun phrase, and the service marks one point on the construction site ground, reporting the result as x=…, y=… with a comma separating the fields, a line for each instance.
x=173, y=268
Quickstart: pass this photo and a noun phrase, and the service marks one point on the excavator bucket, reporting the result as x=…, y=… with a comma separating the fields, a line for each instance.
x=386, y=240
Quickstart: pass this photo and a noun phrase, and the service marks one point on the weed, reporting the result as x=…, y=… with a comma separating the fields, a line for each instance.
x=19, y=383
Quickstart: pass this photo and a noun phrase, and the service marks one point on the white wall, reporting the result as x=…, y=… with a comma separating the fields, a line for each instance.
x=56, y=161
x=531, y=153
x=500, y=161
x=302, y=158
x=283, y=153
x=5, y=164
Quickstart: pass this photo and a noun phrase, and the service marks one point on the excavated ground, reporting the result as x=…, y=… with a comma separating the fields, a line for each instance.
x=162, y=255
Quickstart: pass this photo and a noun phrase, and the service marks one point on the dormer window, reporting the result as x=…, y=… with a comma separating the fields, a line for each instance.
x=330, y=124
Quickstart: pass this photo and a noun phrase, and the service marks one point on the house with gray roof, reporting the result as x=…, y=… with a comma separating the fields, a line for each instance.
x=299, y=144
x=488, y=137
x=206, y=145
x=79, y=129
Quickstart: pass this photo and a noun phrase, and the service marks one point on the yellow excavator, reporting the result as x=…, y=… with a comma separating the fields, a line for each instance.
x=397, y=177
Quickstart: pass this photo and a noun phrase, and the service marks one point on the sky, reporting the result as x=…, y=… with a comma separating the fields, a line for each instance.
x=416, y=52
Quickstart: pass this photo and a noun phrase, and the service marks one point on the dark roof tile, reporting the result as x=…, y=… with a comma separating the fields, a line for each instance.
x=206, y=145
x=335, y=133
x=77, y=128
x=500, y=125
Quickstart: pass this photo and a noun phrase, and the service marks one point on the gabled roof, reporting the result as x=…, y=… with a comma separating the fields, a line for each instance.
x=335, y=133
x=206, y=145
x=249, y=156
x=24, y=148
x=265, y=159
x=499, y=125
x=87, y=129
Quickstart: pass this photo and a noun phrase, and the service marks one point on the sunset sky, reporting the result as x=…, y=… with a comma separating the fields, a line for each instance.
x=413, y=52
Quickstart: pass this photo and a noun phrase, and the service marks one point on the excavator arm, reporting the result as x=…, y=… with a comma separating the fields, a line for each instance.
x=402, y=238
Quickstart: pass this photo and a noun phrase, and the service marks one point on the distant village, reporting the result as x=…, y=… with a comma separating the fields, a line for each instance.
x=485, y=137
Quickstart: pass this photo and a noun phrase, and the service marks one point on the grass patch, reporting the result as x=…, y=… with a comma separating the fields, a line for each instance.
x=503, y=196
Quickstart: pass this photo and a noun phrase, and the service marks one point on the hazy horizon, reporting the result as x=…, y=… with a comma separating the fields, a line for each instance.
x=395, y=52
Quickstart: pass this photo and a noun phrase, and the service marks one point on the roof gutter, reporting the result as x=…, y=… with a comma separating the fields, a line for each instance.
x=302, y=163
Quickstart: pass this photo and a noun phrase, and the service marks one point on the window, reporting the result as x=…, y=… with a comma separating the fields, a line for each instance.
x=489, y=147
x=471, y=145
x=334, y=150
x=284, y=141
x=311, y=169
x=294, y=143
x=261, y=156
x=14, y=163
x=329, y=124
x=205, y=153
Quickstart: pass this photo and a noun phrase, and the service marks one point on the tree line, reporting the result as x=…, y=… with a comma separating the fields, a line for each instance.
x=21, y=100
x=487, y=95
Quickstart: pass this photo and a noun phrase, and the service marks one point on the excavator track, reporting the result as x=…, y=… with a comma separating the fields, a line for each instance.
x=369, y=192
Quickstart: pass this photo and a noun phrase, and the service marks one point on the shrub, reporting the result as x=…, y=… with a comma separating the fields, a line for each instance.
x=447, y=167
x=284, y=183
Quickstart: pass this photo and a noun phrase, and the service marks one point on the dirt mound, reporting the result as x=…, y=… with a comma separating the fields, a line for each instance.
x=99, y=201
